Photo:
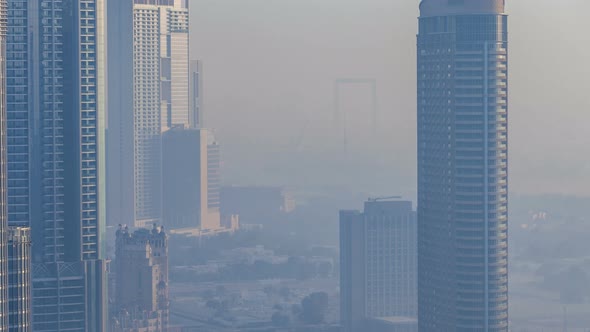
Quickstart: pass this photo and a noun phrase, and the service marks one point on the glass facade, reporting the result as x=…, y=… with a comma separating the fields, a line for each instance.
x=56, y=155
x=462, y=171
x=120, y=133
x=17, y=110
x=19, y=287
x=3, y=173
x=91, y=130
x=49, y=140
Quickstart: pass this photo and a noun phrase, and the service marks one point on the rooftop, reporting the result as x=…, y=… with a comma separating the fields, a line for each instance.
x=461, y=7
x=397, y=320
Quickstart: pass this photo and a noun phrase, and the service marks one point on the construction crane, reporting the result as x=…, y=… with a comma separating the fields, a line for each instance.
x=386, y=198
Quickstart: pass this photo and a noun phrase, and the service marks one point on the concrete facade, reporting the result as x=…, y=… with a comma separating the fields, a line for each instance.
x=141, y=297
x=191, y=179
x=378, y=268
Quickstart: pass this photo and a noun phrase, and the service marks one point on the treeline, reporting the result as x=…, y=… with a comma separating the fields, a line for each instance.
x=295, y=268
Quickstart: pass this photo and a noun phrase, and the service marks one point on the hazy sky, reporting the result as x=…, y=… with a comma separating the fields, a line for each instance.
x=270, y=67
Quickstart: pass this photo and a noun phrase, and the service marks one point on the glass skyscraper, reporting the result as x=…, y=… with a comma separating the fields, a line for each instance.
x=462, y=166
x=19, y=285
x=3, y=174
x=56, y=106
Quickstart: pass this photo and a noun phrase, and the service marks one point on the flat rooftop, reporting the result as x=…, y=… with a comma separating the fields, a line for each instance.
x=461, y=7
x=397, y=320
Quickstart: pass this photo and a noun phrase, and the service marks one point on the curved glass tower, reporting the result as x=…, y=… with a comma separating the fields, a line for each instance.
x=462, y=166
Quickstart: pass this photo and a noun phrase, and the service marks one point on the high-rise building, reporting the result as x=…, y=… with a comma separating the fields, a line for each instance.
x=378, y=267
x=141, y=297
x=17, y=108
x=161, y=94
x=462, y=166
x=19, y=280
x=56, y=92
x=213, y=178
x=153, y=87
x=192, y=179
x=120, y=133
x=3, y=172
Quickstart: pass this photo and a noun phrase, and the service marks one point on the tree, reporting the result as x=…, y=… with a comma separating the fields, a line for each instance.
x=213, y=305
x=296, y=309
x=314, y=308
x=208, y=294
x=325, y=269
x=220, y=291
x=574, y=282
x=285, y=293
x=269, y=290
x=280, y=319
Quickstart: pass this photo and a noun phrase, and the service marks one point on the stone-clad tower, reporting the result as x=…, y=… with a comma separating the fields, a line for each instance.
x=141, y=297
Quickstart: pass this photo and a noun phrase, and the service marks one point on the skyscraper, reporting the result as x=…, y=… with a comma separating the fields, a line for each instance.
x=3, y=173
x=161, y=94
x=192, y=180
x=57, y=107
x=153, y=87
x=462, y=166
x=20, y=282
x=213, y=179
x=378, y=269
x=120, y=133
x=17, y=108
x=141, y=298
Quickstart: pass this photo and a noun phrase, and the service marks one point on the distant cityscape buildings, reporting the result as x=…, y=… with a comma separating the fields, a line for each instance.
x=257, y=204
x=141, y=295
x=462, y=166
x=92, y=117
x=56, y=101
x=378, y=267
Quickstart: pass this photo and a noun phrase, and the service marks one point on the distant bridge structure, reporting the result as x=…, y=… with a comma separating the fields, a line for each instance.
x=340, y=116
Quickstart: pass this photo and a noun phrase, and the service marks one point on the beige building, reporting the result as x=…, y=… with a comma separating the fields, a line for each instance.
x=141, y=298
x=191, y=179
x=160, y=96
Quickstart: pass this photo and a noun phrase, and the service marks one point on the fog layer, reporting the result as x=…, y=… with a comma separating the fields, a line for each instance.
x=270, y=68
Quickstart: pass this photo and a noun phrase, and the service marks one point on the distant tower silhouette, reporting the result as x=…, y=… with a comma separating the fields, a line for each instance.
x=340, y=117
